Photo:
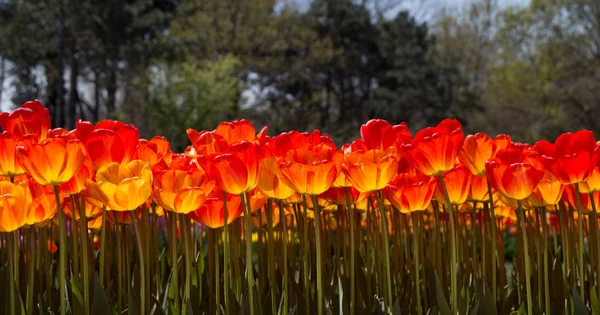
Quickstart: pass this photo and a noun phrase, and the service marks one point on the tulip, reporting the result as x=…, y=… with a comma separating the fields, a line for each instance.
x=433, y=151
x=513, y=174
x=570, y=158
x=15, y=204
x=30, y=119
x=410, y=192
x=380, y=134
x=108, y=141
x=181, y=191
x=458, y=184
x=9, y=161
x=371, y=170
x=122, y=187
x=235, y=171
x=53, y=161
x=211, y=212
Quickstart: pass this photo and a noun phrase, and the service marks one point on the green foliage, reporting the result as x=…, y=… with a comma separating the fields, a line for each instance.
x=192, y=94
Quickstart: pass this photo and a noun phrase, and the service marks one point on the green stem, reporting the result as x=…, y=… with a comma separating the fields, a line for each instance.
x=31, y=269
x=249, y=268
x=140, y=245
x=495, y=257
x=316, y=208
x=102, y=245
x=226, y=287
x=118, y=238
x=521, y=218
x=271, y=256
x=453, y=250
x=595, y=236
x=62, y=264
x=415, y=221
x=84, y=249
x=305, y=248
x=546, y=269
x=11, y=275
x=386, y=251
x=581, y=248
x=352, y=250
x=282, y=221
x=175, y=272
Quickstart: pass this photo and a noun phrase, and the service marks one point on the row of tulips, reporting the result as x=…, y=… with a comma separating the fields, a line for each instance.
x=98, y=220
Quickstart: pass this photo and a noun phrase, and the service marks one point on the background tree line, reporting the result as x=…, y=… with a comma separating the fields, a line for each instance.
x=166, y=65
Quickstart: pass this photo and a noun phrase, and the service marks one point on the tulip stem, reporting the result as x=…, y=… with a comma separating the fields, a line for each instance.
x=596, y=237
x=581, y=248
x=102, y=242
x=319, y=253
x=118, y=238
x=11, y=269
x=282, y=221
x=352, y=250
x=386, y=250
x=271, y=256
x=453, y=256
x=249, y=268
x=495, y=258
x=226, y=253
x=521, y=219
x=305, y=248
x=84, y=248
x=546, y=271
x=31, y=269
x=415, y=221
x=62, y=263
x=140, y=245
x=175, y=272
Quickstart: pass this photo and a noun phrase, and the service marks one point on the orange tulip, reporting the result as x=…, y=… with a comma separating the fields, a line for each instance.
x=380, y=134
x=77, y=183
x=207, y=142
x=154, y=151
x=571, y=157
x=122, y=187
x=513, y=173
x=53, y=161
x=547, y=192
x=238, y=131
x=410, y=192
x=433, y=151
x=29, y=119
x=592, y=183
x=91, y=211
x=235, y=171
x=475, y=151
x=313, y=169
x=181, y=191
x=43, y=207
x=370, y=170
x=15, y=202
x=108, y=141
x=212, y=212
x=479, y=189
x=337, y=195
x=9, y=162
x=458, y=184
x=270, y=183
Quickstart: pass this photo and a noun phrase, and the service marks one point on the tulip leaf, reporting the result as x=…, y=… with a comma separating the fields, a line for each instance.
x=132, y=304
x=100, y=305
x=486, y=303
x=511, y=301
x=77, y=305
x=578, y=305
x=440, y=298
x=594, y=300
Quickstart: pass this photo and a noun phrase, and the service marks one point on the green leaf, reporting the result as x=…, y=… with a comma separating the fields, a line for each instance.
x=594, y=300
x=440, y=298
x=78, y=306
x=100, y=305
x=132, y=304
x=578, y=305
